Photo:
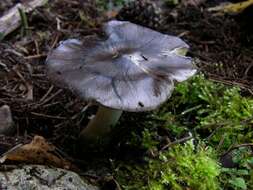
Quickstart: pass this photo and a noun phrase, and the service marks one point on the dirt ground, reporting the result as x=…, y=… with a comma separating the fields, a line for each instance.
x=221, y=45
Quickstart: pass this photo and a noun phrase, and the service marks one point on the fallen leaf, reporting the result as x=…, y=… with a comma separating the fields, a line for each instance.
x=231, y=8
x=37, y=152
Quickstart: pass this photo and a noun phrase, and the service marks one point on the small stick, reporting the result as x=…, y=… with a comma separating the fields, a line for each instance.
x=12, y=150
x=48, y=116
x=47, y=93
x=56, y=39
x=236, y=147
x=29, y=87
x=35, y=56
x=177, y=142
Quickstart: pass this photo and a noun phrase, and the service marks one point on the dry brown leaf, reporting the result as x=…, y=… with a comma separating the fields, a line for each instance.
x=37, y=152
x=231, y=8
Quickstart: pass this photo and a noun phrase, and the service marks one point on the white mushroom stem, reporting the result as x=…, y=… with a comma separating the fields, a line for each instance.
x=101, y=124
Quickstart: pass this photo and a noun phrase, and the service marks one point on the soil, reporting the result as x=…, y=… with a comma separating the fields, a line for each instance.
x=221, y=45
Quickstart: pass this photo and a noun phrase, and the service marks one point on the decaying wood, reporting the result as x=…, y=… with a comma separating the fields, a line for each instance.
x=11, y=20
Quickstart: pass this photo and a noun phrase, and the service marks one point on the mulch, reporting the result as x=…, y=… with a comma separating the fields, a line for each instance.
x=222, y=44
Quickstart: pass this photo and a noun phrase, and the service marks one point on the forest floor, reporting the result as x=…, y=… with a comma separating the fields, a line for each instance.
x=221, y=45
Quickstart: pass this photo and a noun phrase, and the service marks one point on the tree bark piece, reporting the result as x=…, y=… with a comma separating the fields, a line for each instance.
x=11, y=20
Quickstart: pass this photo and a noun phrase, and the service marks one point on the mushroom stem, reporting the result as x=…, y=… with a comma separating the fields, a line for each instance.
x=101, y=124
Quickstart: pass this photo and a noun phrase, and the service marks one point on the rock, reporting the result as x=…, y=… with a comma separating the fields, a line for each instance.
x=38, y=177
x=227, y=161
x=6, y=122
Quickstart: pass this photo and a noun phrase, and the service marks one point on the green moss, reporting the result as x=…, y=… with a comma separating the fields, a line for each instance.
x=206, y=106
x=217, y=116
x=240, y=177
x=181, y=167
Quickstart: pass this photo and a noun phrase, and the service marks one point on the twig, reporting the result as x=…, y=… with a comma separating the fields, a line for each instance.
x=220, y=143
x=250, y=91
x=48, y=116
x=177, y=142
x=36, y=46
x=247, y=70
x=236, y=147
x=47, y=93
x=4, y=66
x=214, y=131
x=220, y=125
x=29, y=87
x=14, y=52
x=35, y=56
x=231, y=83
x=11, y=150
x=56, y=39
x=51, y=97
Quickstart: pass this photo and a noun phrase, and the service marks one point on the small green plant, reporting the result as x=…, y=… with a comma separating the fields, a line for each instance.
x=241, y=177
x=148, y=140
x=180, y=167
x=24, y=23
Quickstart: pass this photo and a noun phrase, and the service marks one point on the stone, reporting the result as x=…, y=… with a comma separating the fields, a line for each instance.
x=38, y=177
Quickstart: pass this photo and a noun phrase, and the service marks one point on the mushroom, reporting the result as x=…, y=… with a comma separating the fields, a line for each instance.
x=133, y=69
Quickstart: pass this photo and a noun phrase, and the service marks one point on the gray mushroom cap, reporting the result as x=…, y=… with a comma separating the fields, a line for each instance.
x=134, y=69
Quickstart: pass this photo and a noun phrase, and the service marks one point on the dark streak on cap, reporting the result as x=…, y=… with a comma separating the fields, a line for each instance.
x=133, y=69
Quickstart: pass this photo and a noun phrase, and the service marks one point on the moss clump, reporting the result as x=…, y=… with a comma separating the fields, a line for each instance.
x=216, y=115
x=206, y=106
x=180, y=167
